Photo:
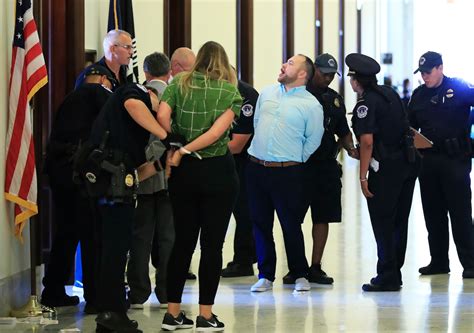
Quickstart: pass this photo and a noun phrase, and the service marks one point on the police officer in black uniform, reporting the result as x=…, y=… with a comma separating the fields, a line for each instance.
x=386, y=146
x=121, y=132
x=74, y=214
x=241, y=133
x=441, y=109
x=323, y=171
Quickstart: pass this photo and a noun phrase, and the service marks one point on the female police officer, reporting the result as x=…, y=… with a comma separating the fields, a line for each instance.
x=386, y=147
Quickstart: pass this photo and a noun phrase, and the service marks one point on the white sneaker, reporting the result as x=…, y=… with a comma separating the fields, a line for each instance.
x=302, y=284
x=262, y=285
x=136, y=306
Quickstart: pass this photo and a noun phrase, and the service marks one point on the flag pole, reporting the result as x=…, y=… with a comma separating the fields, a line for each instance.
x=32, y=308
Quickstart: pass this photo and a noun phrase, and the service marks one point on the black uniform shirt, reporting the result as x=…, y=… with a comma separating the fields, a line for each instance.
x=443, y=112
x=244, y=124
x=335, y=122
x=125, y=134
x=122, y=73
x=72, y=124
x=385, y=119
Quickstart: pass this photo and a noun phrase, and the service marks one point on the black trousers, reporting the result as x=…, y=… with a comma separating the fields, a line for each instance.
x=153, y=224
x=389, y=210
x=445, y=186
x=203, y=194
x=76, y=220
x=244, y=243
x=117, y=229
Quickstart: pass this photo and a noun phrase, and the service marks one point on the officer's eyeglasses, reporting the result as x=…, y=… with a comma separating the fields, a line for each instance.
x=126, y=47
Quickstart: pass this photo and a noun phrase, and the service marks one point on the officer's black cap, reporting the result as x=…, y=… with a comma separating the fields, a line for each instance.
x=360, y=64
x=99, y=70
x=326, y=63
x=429, y=60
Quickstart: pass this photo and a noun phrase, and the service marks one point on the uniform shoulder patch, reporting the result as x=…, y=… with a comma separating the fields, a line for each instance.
x=247, y=110
x=362, y=111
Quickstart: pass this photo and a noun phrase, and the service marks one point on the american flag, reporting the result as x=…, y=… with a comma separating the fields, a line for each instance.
x=28, y=74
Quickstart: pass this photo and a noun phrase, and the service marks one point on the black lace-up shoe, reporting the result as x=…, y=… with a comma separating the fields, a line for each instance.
x=317, y=275
x=171, y=323
x=116, y=322
x=209, y=325
x=235, y=270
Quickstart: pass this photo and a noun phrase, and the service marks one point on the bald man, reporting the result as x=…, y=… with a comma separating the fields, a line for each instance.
x=182, y=59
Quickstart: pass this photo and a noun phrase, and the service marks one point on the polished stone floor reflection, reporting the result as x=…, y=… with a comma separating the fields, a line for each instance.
x=441, y=303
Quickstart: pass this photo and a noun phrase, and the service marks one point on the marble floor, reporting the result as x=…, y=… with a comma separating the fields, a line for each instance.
x=441, y=303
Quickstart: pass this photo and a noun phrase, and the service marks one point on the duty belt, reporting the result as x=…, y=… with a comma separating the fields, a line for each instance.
x=270, y=164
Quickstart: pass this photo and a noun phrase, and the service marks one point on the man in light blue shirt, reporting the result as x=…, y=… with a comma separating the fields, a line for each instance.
x=288, y=125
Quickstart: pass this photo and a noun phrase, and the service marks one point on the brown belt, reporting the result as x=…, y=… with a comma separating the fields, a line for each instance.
x=269, y=164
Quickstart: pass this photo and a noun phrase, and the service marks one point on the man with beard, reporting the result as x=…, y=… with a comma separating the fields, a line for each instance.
x=288, y=126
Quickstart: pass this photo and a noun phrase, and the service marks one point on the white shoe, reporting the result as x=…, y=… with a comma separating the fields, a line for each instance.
x=262, y=285
x=302, y=284
x=136, y=306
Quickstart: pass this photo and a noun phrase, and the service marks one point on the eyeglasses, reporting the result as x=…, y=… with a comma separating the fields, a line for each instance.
x=126, y=47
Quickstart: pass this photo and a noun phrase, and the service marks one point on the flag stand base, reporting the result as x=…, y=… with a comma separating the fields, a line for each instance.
x=32, y=308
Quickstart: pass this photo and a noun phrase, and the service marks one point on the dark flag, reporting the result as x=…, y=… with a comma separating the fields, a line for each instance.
x=121, y=17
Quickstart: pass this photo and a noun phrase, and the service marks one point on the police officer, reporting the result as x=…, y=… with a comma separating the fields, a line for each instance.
x=74, y=215
x=128, y=120
x=242, y=131
x=386, y=147
x=323, y=174
x=441, y=109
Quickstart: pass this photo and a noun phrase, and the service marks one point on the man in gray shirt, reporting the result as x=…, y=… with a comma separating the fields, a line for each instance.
x=153, y=231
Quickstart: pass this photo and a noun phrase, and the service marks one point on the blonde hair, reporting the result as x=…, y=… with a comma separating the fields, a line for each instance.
x=213, y=62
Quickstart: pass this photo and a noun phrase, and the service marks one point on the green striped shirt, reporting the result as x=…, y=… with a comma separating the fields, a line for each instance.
x=194, y=112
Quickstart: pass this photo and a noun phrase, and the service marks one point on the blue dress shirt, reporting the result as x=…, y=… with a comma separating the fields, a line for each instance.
x=288, y=125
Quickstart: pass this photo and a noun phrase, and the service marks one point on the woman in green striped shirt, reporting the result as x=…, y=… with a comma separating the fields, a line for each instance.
x=200, y=105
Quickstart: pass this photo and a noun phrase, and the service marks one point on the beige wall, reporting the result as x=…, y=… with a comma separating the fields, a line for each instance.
x=215, y=20
x=268, y=46
x=305, y=28
x=15, y=257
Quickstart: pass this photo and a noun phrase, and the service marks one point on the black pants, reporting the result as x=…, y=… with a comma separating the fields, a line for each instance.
x=153, y=224
x=244, y=243
x=389, y=209
x=117, y=228
x=203, y=194
x=76, y=220
x=445, y=186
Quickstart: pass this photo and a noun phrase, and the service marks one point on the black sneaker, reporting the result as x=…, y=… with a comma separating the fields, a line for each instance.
x=171, y=323
x=209, y=325
x=317, y=275
x=288, y=279
x=236, y=270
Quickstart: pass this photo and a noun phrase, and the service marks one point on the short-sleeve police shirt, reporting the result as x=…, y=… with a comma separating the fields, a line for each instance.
x=442, y=112
x=244, y=124
x=125, y=134
x=385, y=119
x=335, y=121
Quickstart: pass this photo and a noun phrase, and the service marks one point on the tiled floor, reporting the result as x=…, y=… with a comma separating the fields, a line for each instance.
x=442, y=303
